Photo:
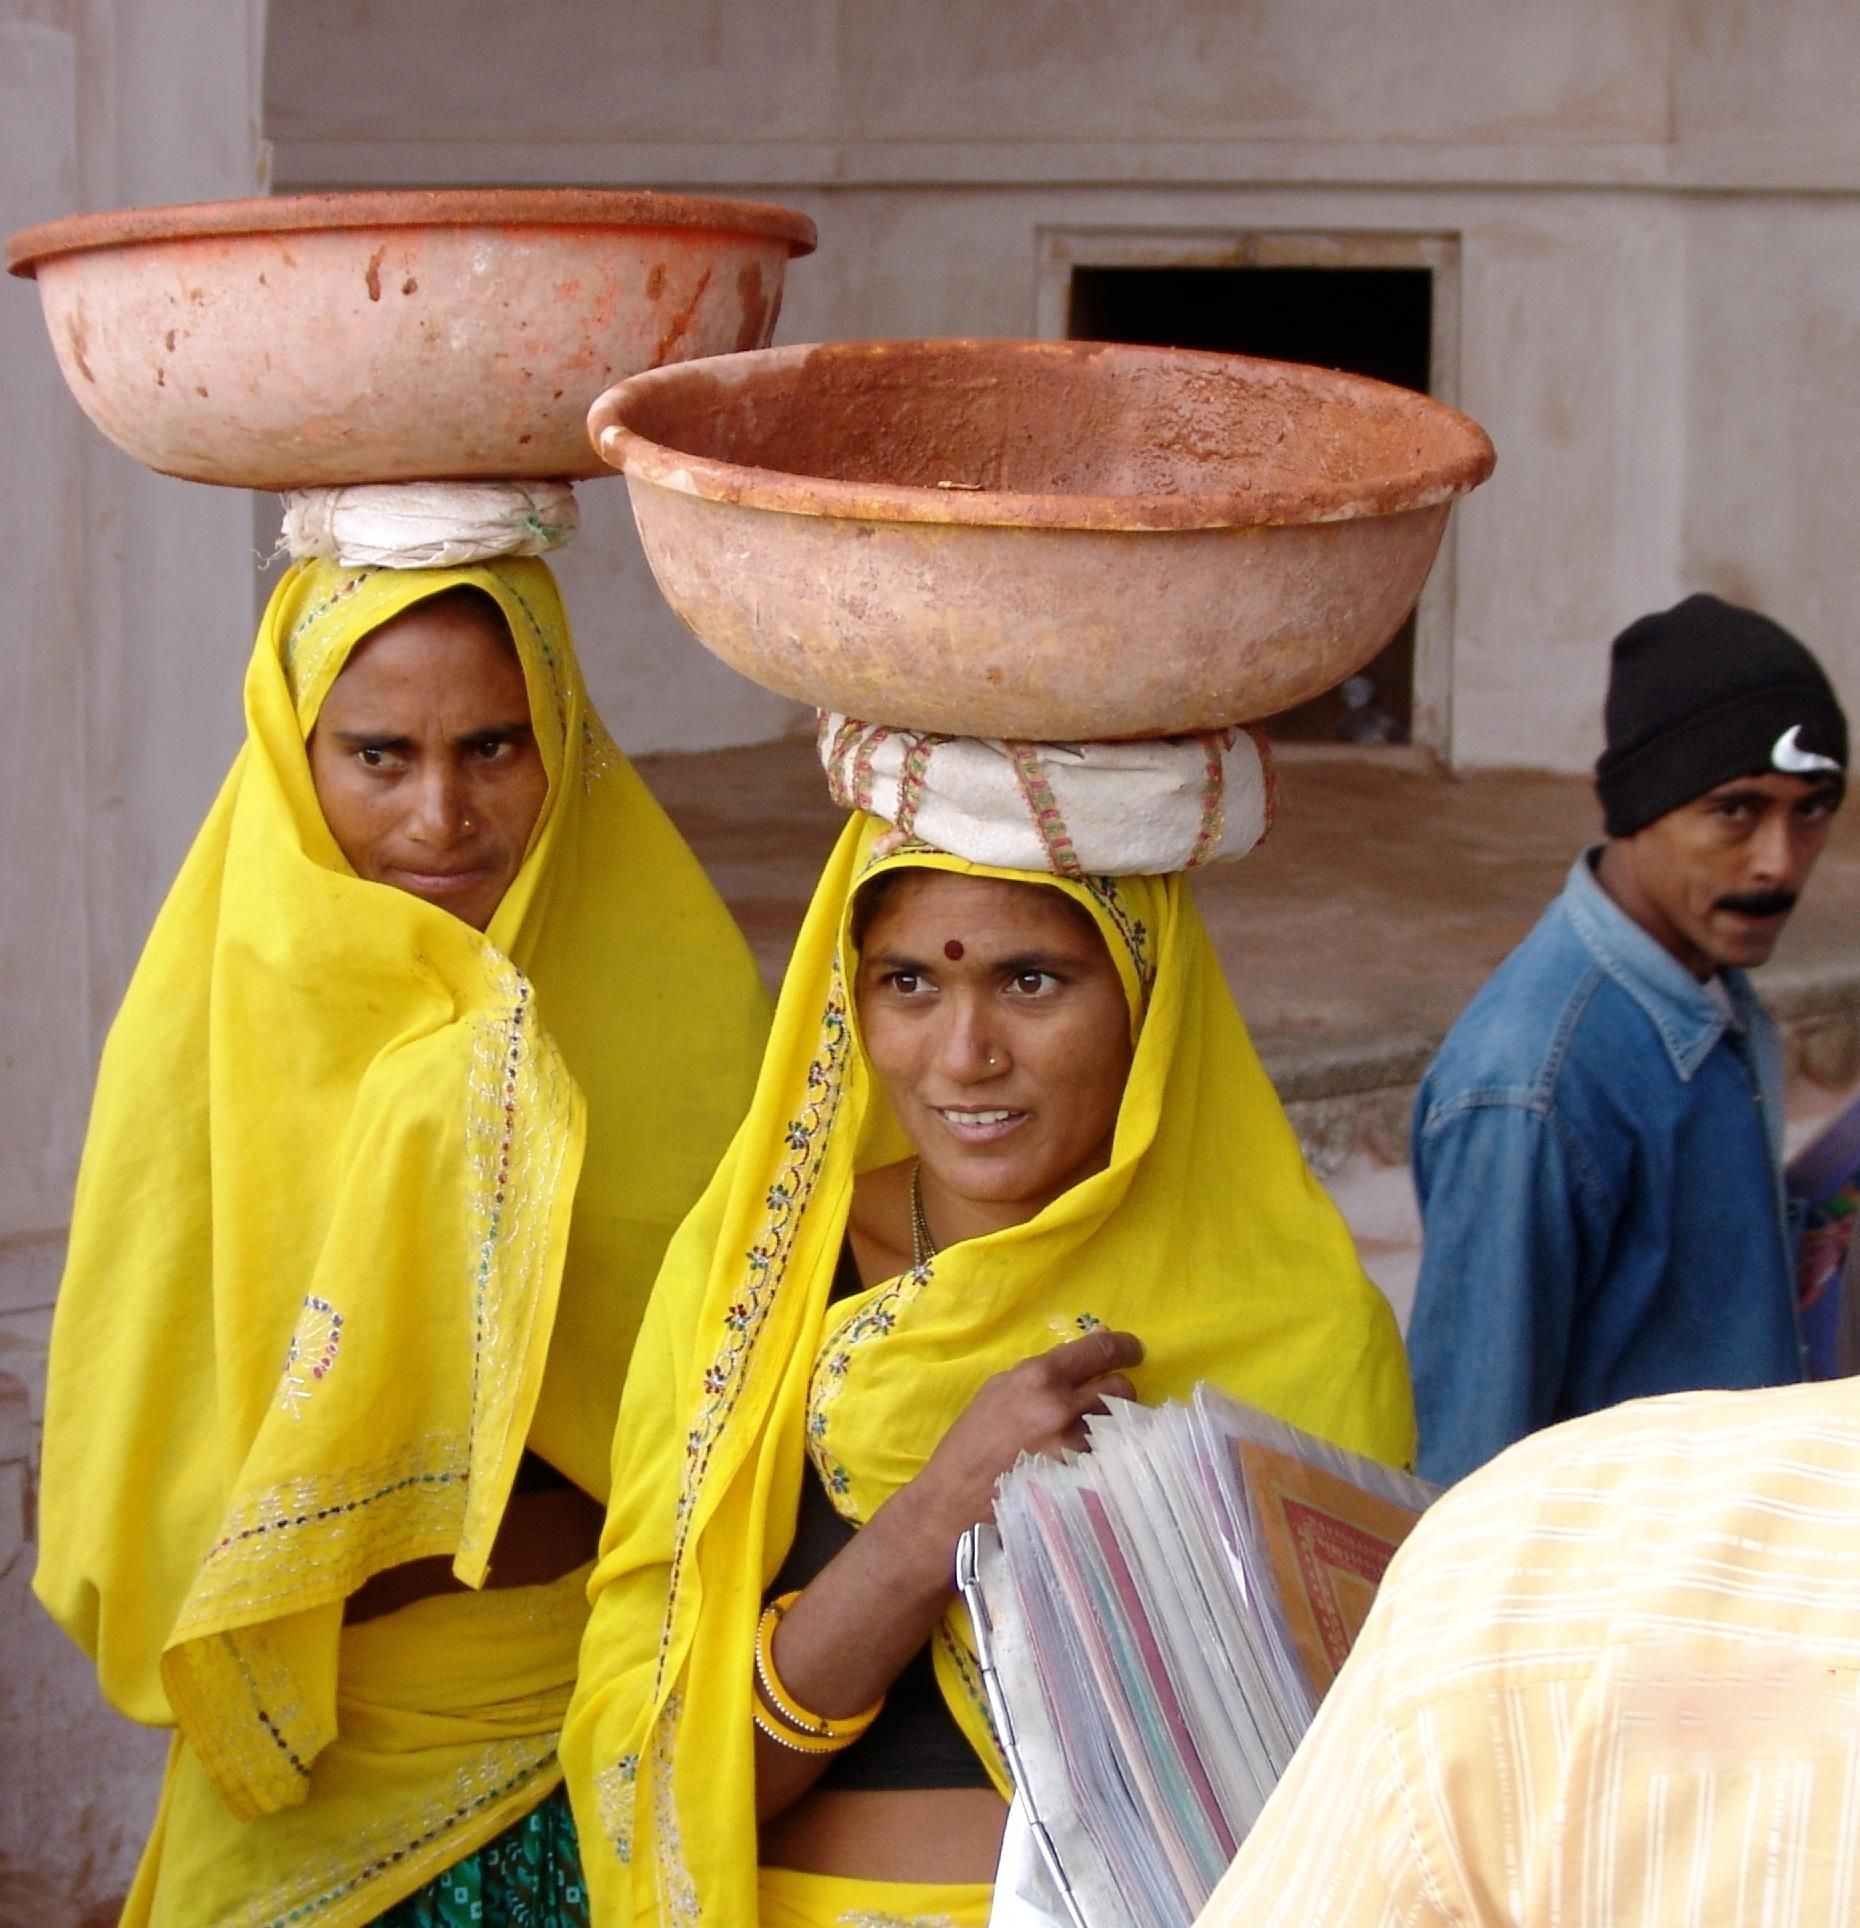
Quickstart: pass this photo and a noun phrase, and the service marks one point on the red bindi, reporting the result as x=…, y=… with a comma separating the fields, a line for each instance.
x=952, y=950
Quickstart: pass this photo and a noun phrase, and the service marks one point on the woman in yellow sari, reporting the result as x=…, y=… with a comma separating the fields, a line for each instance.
x=1011, y=1149
x=438, y=1035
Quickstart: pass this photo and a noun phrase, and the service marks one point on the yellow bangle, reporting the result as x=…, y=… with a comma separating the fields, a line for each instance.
x=808, y=1727
x=785, y=1737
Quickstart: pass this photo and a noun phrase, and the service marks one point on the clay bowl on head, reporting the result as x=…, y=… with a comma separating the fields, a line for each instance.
x=1044, y=540
x=451, y=334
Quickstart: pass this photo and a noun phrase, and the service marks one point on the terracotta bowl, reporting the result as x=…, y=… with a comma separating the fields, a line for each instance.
x=332, y=338
x=1045, y=540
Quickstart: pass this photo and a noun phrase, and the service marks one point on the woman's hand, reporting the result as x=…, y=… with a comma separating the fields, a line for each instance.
x=874, y=1604
x=1038, y=1406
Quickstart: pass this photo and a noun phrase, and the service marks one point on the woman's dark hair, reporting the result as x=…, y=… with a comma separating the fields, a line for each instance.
x=479, y=603
x=870, y=898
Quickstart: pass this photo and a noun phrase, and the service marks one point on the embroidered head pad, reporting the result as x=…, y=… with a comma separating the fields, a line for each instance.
x=1135, y=809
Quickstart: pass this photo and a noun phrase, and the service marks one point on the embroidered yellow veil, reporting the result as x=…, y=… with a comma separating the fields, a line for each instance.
x=352, y=1168
x=1207, y=1236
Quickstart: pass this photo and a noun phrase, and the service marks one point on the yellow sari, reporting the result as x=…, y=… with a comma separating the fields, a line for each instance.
x=1206, y=1235
x=370, y=1202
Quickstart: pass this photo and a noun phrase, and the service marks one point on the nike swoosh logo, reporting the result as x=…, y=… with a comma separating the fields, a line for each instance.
x=1789, y=757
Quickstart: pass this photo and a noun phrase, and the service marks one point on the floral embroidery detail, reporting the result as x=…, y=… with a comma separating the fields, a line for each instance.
x=1269, y=771
x=866, y=1323
x=552, y=664
x=969, y=1675
x=304, y=666
x=878, y=1918
x=863, y=775
x=765, y=1265
x=1043, y=807
x=1076, y=1326
x=335, y=1528
x=1131, y=929
x=1214, y=747
x=420, y=1837
x=616, y=1792
x=277, y=1705
x=885, y=848
x=678, y=1895
x=528, y=1875
x=352, y=1516
x=833, y=756
x=519, y=1106
x=599, y=752
x=312, y=1354
x=499, y=1069
x=911, y=780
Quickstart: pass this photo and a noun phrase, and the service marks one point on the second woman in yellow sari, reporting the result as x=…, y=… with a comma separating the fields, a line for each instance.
x=435, y=1040
x=1011, y=1149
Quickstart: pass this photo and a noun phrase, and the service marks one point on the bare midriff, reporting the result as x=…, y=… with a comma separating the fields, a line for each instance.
x=543, y=1536
x=944, y=1834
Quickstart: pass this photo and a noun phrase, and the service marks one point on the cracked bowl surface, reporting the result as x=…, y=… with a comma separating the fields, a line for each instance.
x=1043, y=540
x=442, y=334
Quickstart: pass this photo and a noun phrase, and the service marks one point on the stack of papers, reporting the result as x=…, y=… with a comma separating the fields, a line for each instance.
x=1157, y=1621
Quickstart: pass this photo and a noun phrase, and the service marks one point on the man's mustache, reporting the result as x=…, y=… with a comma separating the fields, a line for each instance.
x=1759, y=903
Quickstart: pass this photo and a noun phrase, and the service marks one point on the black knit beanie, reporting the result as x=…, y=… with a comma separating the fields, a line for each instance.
x=1702, y=693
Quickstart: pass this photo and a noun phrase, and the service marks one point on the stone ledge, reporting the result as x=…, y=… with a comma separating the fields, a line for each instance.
x=1215, y=162
x=1344, y=1103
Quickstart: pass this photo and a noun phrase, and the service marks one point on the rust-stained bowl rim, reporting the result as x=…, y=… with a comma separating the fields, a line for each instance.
x=1391, y=492
x=453, y=207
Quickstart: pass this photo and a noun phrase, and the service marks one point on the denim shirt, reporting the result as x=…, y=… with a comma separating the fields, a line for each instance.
x=1597, y=1150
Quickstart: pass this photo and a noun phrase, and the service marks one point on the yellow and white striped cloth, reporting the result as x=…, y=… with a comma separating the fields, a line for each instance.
x=1612, y=1681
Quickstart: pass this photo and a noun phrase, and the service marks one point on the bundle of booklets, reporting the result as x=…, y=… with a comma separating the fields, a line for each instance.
x=1157, y=1621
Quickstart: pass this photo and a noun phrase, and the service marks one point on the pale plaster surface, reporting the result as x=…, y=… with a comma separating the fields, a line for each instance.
x=1287, y=70
x=1656, y=225
x=1653, y=201
x=131, y=606
x=1774, y=360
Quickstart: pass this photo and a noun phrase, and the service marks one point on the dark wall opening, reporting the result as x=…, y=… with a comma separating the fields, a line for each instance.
x=1368, y=321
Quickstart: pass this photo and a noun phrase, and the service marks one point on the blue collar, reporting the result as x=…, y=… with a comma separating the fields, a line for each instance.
x=1689, y=1020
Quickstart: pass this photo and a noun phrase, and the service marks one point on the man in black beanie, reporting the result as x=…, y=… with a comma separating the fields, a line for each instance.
x=1597, y=1145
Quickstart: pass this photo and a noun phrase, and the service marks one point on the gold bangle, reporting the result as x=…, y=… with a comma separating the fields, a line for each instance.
x=782, y=1737
x=815, y=1727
